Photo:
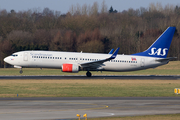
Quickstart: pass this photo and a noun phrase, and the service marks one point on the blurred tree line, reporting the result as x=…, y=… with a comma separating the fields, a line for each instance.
x=87, y=28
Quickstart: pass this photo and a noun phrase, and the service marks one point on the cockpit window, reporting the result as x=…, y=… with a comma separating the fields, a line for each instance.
x=14, y=55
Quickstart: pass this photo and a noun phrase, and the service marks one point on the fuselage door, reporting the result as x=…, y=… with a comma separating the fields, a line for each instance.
x=142, y=62
x=25, y=56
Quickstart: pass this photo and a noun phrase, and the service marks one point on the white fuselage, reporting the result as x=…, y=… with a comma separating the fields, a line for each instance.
x=53, y=59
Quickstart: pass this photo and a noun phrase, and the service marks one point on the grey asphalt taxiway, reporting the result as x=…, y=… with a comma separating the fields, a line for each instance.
x=67, y=108
x=151, y=77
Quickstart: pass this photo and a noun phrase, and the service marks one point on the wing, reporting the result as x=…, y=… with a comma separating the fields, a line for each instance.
x=96, y=64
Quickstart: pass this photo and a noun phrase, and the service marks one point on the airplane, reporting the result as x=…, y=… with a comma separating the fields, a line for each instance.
x=154, y=56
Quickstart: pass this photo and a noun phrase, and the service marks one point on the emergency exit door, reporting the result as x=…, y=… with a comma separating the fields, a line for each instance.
x=25, y=56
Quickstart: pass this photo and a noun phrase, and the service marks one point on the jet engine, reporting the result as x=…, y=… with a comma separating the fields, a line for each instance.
x=70, y=68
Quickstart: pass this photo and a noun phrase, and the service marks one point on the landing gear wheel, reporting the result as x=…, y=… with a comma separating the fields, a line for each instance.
x=20, y=71
x=88, y=74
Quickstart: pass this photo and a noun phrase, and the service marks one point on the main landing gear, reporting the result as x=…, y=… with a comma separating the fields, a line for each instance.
x=88, y=74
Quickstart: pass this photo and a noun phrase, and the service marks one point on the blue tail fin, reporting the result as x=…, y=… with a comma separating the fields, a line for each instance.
x=161, y=46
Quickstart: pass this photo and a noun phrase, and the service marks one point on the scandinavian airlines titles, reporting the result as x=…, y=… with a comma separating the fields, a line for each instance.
x=158, y=52
x=40, y=54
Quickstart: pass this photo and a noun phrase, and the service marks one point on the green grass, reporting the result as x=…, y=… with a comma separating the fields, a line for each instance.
x=88, y=88
x=173, y=68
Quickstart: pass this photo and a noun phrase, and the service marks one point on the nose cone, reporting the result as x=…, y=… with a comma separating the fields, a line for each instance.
x=6, y=59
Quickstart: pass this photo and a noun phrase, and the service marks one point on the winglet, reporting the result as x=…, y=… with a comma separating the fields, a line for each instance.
x=111, y=52
x=114, y=54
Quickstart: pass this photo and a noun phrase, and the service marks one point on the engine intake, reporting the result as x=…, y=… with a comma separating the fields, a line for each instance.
x=70, y=68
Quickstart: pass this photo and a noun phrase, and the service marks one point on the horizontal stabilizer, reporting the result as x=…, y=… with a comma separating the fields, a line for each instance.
x=166, y=59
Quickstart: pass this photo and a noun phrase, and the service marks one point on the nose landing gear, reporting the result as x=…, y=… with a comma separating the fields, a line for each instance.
x=21, y=71
x=88, y=74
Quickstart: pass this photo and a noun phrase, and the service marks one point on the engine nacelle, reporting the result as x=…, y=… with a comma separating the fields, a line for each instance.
x=70, y=68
